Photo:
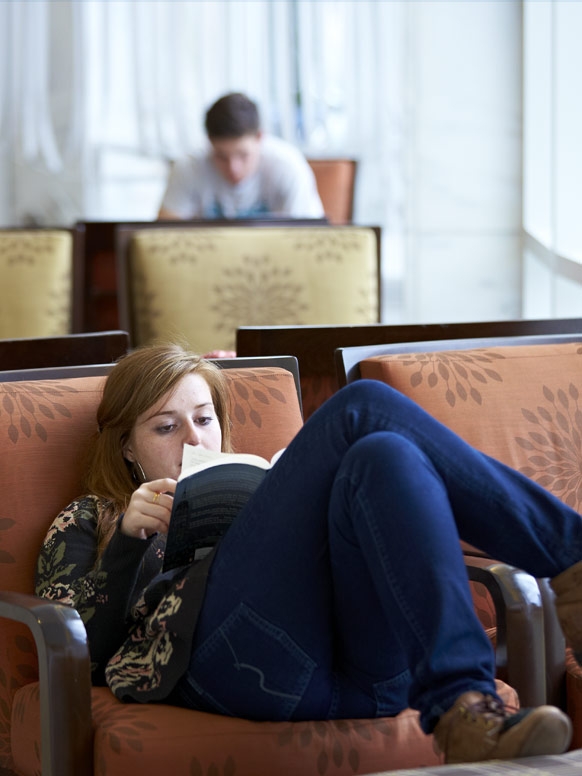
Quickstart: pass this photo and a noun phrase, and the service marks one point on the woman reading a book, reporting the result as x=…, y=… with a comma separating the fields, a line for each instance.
x=309, y=607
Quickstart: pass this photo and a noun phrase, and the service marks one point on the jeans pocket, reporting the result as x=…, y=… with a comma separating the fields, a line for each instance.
x=392, y=694
x=249, y=667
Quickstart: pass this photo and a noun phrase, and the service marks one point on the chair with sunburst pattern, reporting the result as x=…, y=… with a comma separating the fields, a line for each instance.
x=198, y=284
x=40, y=281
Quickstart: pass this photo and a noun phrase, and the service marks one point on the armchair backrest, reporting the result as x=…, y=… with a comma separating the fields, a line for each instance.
x=336, y=184
x=98, y=347
x=315, y=346
x=201, y=283
x=41, y=283
x=520, y=402
x=45, y=429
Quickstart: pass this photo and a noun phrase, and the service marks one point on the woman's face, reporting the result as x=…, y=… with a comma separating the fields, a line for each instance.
x=184, y=415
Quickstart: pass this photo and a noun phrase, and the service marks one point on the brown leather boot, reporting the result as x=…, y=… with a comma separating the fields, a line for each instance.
x=568, y=589
x=478, y=727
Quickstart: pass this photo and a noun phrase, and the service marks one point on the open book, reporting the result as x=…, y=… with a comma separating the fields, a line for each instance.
x=212, y=489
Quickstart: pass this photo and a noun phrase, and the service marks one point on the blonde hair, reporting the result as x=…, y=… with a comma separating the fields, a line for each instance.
x=137, y=382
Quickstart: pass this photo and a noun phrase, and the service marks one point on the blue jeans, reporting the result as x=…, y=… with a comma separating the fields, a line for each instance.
x=340, y=591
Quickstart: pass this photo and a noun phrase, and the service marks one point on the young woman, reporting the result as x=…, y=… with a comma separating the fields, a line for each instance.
x=309, y=607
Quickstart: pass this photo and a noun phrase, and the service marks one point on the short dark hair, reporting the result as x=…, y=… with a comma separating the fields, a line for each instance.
x=232, y=116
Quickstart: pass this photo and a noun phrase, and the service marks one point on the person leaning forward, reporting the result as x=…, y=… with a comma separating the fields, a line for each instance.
x=244, y=174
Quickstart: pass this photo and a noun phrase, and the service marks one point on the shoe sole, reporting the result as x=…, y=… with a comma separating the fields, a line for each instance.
x=546, y=738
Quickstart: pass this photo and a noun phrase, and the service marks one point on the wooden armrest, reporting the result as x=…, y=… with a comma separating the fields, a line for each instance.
x=64, y=679
x=520, y=648
x=555, y=659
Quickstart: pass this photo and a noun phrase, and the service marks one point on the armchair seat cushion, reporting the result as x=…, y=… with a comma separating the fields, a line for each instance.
x=150, y=739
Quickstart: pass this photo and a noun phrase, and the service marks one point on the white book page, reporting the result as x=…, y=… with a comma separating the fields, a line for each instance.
x=195, y=458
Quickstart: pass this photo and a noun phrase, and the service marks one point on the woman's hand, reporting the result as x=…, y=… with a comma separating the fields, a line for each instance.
x=149, y=509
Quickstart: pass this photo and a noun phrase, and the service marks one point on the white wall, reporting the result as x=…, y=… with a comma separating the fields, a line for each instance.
x=465, y=162
x=552, y=273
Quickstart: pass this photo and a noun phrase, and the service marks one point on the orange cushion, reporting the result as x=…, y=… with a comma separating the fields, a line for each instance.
x=520, y=404
x=152, y=739
x=45, y=426
x=264, y=409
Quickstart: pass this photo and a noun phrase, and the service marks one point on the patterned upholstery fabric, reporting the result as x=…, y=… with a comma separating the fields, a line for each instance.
x=36, y=269
x=44, y=429
x=520, y=404
x=201, y=284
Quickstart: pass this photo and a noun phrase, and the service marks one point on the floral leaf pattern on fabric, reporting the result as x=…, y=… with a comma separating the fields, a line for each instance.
x=228, y=768
x=33, y=406
x=244, y=396
x=131, y=611
x=326, y=245
x=129, y=718
x=248, y=276
x=335, y=740
x=554, y=444
x=259, y=290
x=57, y=577
x=459, y=373
x=41, y=256
x=150, y=648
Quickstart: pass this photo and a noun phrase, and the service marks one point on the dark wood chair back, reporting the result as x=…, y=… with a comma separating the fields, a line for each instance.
x=70, y=350
x=315, y=346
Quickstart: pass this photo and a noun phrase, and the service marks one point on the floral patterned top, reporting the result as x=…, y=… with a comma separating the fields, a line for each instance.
x=139, y=621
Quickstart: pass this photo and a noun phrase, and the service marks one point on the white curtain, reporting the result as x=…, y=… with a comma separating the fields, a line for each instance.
x=104, y=91
x=97, y=95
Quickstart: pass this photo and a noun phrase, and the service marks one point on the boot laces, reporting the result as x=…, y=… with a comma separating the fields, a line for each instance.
x=489, y=710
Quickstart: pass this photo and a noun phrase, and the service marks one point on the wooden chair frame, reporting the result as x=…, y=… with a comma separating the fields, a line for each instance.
x=68, y=350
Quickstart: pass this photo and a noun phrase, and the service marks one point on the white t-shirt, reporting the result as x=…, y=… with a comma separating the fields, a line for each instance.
x=283, y=184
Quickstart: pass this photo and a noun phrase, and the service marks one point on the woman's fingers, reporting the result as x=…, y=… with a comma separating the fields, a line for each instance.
x=149, y=509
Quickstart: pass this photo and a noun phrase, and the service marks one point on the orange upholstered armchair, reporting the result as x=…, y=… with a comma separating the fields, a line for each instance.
x=51, y=719
x=518, y=399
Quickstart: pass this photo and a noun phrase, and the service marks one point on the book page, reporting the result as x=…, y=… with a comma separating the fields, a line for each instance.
x=196, y=458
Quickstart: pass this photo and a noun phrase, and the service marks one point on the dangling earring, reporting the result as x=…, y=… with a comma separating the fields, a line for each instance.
x=141, y=474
